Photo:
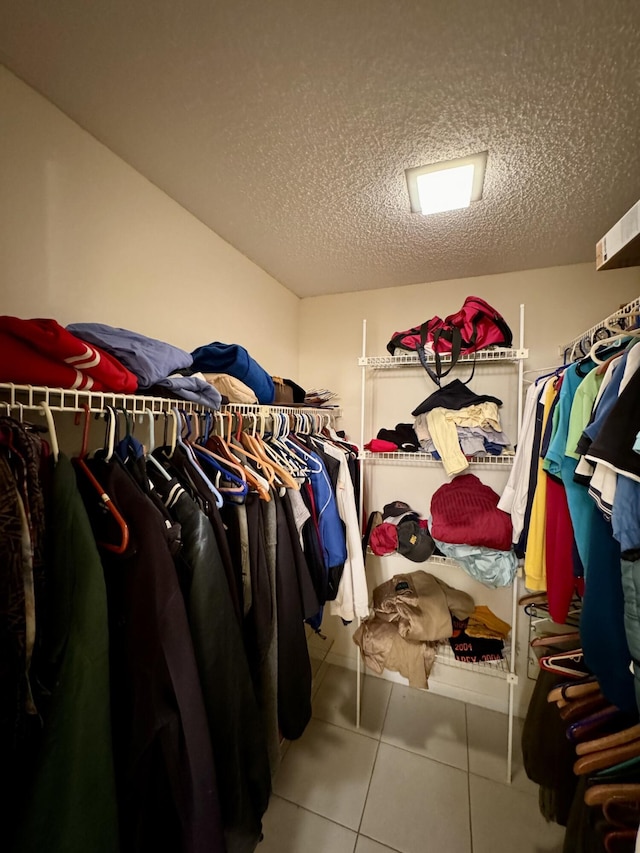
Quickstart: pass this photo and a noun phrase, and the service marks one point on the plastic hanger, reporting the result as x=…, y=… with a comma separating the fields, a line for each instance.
x=104, y=497
x=150, y=459
x=618, y=340
x=217, y=444
x=564, y=663
x=51, y=426
x=194, y=462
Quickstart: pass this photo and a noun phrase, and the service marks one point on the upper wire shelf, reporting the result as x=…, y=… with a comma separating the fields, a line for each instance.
x=65, y=399
x=621, y=320
x=410, y=359
x=421, y=458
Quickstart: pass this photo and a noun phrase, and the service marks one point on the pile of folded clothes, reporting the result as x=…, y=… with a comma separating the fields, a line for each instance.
x=412, y=614
x=98, y=357
x=402, y=437
x=480, y=638
x=320, y=398
x=467, y=526
x=456, y=424
x=399, y=529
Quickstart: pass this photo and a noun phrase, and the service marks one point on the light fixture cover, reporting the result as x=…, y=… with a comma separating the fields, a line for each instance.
x=449, y=185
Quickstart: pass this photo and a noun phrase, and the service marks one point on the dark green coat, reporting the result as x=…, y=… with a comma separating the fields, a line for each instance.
x=71, y=804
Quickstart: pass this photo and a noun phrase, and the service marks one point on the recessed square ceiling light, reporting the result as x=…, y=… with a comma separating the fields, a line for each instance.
x=449, y=185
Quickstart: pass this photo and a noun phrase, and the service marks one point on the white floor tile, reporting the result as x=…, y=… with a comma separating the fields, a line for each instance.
x=430, y=725
x=335, y=701
x=327, y=771
x=415, y=804
x=503, y=818
x=366, y=845
x=287, y=828
x=487, y=732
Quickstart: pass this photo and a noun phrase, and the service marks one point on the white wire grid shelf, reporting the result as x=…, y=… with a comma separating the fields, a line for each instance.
x=622, y=319
x=65, y=399
x=422, y=458
x=498, y=668
x=410, y=359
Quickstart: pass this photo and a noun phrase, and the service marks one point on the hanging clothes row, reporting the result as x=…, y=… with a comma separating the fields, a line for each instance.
x=152, y=608
x=574, y=503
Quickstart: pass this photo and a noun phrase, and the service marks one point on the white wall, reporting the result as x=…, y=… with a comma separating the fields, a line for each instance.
x=560, y=303
x=84, y=237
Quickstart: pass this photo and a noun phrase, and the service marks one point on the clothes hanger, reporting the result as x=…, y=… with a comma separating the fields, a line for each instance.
x=104, y=497
x=574, y=690
x=618, y=339
x=51, y=426
x=564, y=663
x=620, y=841
x=194, y=462
x=606, y=758
x=621, y=738
x=263, y=464
x=554, y=639
x=217, y=444
x=150, y=459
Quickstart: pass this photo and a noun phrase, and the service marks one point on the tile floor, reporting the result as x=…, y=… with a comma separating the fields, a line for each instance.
x=423, y=774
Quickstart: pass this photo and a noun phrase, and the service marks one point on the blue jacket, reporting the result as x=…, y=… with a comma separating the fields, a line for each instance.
x=233, y=359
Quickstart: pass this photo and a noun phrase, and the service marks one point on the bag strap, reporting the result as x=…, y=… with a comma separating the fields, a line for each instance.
x=456, y=345
x=456, y=340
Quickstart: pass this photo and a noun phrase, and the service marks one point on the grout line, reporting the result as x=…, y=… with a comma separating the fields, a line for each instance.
x=466, y=725
x=317, y=814
x=375, y=840
x=375, y=760
x=423, y=755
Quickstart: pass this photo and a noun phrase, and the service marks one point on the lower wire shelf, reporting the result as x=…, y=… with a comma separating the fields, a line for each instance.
x=496, y=668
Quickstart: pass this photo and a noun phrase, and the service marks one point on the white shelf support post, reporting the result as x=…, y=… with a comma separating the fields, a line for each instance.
x=520, y=376
x=361, y=506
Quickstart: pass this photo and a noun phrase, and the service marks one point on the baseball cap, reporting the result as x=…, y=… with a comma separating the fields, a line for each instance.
x=414, y=542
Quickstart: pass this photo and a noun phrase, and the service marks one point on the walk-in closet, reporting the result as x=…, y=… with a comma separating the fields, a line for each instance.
x=319, y=427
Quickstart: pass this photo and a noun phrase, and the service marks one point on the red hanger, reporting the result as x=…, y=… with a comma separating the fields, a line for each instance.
x=104, y=497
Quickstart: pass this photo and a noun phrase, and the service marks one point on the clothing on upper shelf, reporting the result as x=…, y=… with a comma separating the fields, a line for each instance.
x=456, y=424
x=233, y=389
x=233, y=359
x=149, y=359
x=454, y=395
x=42, y=352
x=403, y=436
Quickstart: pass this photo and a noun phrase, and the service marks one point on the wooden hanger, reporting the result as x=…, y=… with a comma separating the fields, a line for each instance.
x=606, y=757
x=621, y=738
x=597, y=795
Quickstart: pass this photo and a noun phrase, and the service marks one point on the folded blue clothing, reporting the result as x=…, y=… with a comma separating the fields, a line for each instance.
x=217, y=357
x=194, y=388
x=490, y=567
x=149, y=359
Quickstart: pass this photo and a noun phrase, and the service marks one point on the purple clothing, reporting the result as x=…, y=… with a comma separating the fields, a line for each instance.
x=149, y=359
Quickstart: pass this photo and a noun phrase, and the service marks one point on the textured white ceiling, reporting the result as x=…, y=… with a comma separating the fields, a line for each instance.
x=286, y=125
